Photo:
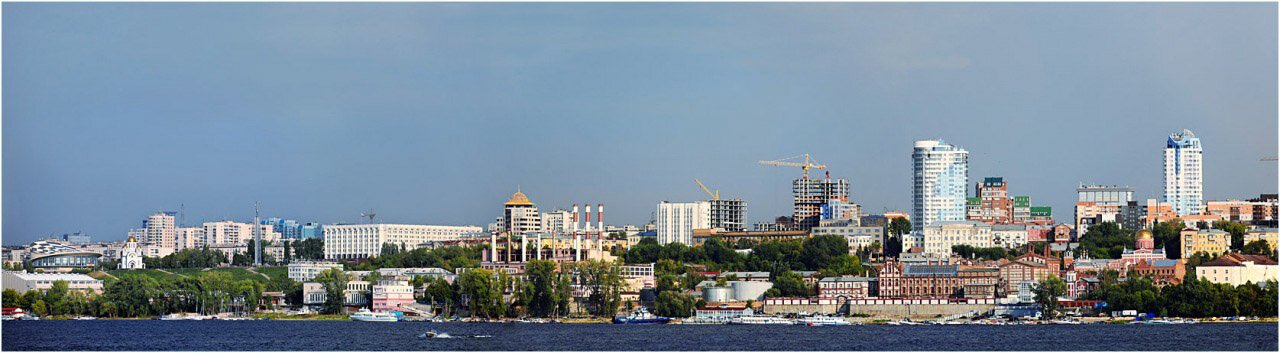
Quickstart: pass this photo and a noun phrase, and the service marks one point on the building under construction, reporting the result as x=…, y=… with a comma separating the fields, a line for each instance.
x=810, y=197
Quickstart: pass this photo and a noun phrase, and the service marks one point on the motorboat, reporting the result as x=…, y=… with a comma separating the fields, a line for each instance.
x=824, y=321
x=760, y=320
x=179, y=316
x=370, y=316
x=84, y=318
x=640, y=316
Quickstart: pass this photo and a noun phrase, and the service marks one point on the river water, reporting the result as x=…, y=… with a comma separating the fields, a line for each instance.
x=152, y=335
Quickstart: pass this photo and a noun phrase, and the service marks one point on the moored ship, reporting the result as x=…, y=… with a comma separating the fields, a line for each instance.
x=640, y=316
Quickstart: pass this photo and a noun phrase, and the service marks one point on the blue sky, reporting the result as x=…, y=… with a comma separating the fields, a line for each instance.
x=434, y=113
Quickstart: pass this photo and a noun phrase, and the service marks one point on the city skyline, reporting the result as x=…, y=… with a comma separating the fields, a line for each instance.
x=435, y=113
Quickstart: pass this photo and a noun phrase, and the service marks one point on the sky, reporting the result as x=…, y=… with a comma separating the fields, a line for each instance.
x=437, y=113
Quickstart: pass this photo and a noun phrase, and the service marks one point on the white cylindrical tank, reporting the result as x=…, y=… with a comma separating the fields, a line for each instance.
x=717, y=294
x=752, y=290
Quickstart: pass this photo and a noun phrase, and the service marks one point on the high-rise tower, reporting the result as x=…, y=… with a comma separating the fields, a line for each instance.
x=1183, y=186
x=940, y=174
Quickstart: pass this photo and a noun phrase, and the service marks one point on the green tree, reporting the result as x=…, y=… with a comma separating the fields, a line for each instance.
x=40, y=308
x=55, y=297
x=1047, y=293
x=791, y=284
x=484, y=293
x=674, y=304
x=819, y=251
x=604, y=284
x=1236, y=230
x=1258, y=247
x=541, y=276
x=1106, y=240
x=14, y=300
x=1168, y=235
x=895, y=231
x=335, y=286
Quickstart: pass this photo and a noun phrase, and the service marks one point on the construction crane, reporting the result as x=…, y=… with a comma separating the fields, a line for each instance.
x=714, y=196
x=803, y=166
x=369, y=215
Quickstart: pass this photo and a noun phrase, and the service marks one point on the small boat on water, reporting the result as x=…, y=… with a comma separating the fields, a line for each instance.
x=83, y=318
x=1065, y=322
x=369, y=316
x=824, y=321
x=760, y=320
x=434, y=334
x=640, y=316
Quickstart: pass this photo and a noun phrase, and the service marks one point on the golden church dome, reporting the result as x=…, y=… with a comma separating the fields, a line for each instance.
x=1143, y=234
x=518, y=199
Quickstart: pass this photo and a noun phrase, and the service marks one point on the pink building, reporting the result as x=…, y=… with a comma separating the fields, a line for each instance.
x=388, y=295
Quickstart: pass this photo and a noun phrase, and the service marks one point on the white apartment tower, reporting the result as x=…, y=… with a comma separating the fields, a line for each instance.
x=940, y=174
x=1183, y=169
x=676, y=221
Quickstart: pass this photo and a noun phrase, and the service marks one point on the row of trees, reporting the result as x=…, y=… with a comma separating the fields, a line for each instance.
x=449, y=258
x=135, y=295
x=1194, y=297
x=827, y=254
x=188, y=258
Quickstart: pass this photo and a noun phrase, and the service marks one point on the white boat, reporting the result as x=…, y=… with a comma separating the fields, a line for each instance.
x=85, y=318
x=760, y=320
x=824, y=321
x=195, y=317
x=1065, y=322
x=369, y=316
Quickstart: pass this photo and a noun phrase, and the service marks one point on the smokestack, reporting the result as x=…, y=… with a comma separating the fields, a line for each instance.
x=574, y=227
x=600, y=216
x=587, y=221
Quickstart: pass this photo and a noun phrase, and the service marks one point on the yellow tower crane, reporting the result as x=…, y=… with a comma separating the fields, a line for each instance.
x=803, y=166
x=714, y=196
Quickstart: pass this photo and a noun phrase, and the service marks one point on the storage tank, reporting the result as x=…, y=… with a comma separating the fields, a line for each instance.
x=717, y=294
x=749, y=290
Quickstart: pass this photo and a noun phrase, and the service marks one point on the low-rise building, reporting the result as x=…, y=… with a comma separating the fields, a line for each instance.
x=389, y=295
x=1028, y=268
x=856, y=287
x=1237, y=269
x=302, y=271
x=936, y=281
x=1009, y=236
x=25, y=281
x=1211, y=241
x=1162, y=272
x=858, y=236
x=722, y=312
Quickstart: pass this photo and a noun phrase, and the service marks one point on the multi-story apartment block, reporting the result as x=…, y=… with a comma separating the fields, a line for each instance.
x=941, y=236
x=1022, y=209
x=940, y=178
x=1260, y=211
x=1096, y=204
x=1264, y=234
x=729, y=215
x=356, y=241
x=994, y=204
x=159, y=230
x=557, y=222
x=223, y=233
x=190, y=237
x=1212, y=241
x=676, y=221
x=1183, y=173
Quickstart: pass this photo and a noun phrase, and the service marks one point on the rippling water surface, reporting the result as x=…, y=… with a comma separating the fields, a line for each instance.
x=404, y=336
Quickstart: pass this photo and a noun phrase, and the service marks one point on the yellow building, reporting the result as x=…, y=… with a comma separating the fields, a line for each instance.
x=1236, y=269
x=1213, y=241
x=1268, y=234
